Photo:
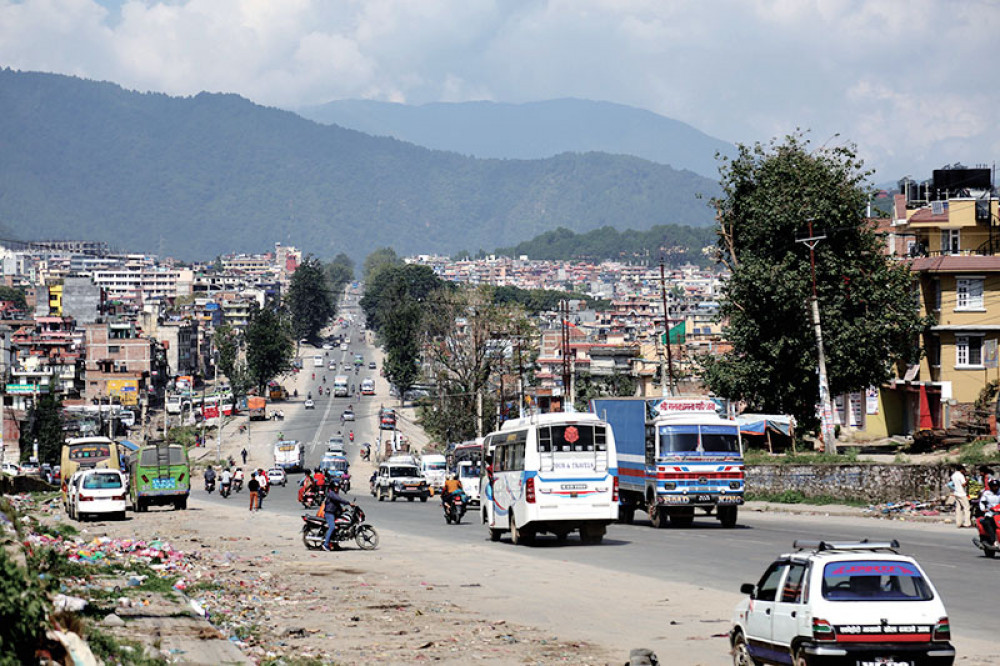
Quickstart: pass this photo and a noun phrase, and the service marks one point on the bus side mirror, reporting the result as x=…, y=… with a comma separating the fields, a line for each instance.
x=749, y=589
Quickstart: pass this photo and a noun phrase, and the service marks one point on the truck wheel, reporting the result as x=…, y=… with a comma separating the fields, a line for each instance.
x=392, y=494
x=592, y=534
x=727, y=515
x=626, y=514
x=424, y=498
x=658, y=516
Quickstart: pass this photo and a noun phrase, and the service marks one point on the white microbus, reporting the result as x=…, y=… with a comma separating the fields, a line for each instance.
x=554, y=473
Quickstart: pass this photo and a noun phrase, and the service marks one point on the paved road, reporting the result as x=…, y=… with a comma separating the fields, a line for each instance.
x=707, y=554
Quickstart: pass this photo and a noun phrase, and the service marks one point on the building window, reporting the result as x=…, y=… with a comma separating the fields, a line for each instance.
x=934, y=351
x=969, y=294
x=114, y=349
x=969, y=351
x=936, y=287
x=950, y=241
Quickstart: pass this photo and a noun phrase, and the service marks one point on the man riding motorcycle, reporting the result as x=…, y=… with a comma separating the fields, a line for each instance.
x=988, y=503
x=331, y=511
x=225, y=482
x=451, y=485
x=209, y=479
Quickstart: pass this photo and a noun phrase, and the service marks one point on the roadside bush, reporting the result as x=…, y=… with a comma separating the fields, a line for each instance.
x=23, y=609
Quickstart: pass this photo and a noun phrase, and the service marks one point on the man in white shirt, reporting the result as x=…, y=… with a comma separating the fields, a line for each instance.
x=959, y=489
x=988, y=502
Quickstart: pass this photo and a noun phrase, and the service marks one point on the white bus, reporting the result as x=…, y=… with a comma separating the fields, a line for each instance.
x=340, y=389
x=289, y=455
x=554, y=473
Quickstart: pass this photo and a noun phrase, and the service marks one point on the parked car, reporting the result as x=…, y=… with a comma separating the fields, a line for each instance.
x=277, y=477
x=372, y=365
x=843, y=603
x=10, y=469
x=97, y=492
x=30, y=469
x=309, y=404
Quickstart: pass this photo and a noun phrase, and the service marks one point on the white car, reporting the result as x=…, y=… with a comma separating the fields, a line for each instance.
x=97, y=492
x=468, y=476
x=348, y=414
x=277, y=477
x=335, y=446
x=10, y=469
x=309, y=404
x=343, y=346
x=842, y=603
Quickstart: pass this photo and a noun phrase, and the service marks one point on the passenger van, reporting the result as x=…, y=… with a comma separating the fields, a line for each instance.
x=555, y=473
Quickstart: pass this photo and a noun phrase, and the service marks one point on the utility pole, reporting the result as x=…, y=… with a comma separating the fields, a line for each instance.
x=826, y=408
x=667, y=381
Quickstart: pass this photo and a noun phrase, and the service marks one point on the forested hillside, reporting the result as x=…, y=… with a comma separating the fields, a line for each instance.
x=676, y=244
x=198, y=176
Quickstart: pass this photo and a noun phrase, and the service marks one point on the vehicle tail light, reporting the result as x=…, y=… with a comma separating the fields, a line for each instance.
x=942, y=630
x=118, y=498
x=86, y=498
x=144, y=479
x=180, y=478
x=823, y=630
x=614, y=490
x=529, y=490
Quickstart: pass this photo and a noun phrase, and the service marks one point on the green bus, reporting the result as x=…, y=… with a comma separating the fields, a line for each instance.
x=159, y=474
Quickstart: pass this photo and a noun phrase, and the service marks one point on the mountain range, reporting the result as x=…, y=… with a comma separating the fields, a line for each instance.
x=534, y=130
x=194, y=177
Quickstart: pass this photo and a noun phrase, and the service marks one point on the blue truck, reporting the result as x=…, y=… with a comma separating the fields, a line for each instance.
x=675, y=455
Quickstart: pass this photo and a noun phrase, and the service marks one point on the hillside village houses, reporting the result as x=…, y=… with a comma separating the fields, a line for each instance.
x=103, y=328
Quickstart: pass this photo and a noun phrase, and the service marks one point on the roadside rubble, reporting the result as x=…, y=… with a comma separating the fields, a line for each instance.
x=200, y=591
x=910, y=509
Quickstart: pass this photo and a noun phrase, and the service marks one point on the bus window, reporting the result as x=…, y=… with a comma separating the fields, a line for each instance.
x=569, y=438
x=720, y=438
x=678, y=439
x=499, y=458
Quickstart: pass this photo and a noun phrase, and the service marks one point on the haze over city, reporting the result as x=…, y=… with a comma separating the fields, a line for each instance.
x=905, y=81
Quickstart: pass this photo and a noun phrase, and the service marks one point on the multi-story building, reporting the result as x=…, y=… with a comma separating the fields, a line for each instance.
x=953, y=242
x=120, y=362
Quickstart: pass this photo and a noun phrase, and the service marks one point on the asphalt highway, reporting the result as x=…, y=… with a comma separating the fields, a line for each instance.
x=707, y=554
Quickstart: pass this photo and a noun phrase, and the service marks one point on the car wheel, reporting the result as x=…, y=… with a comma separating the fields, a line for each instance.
x=381, y=495
x=424, y=498
x=728, y=515
x=519, y=537
x=799, y=658
x=741, y=653
x=392, y=494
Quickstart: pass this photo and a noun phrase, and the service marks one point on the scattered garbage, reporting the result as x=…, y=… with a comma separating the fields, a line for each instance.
x=909, y=508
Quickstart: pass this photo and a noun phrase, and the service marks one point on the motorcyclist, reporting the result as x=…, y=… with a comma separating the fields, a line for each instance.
x=350, y=435
x=306, y=484
x=225, y=482
x=209, y=479
x=451, y=485
x=331, y=511
x=988, y=502
x=238, y=479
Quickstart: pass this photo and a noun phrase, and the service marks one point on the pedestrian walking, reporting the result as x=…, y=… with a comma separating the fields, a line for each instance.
x=244, y=454
x=959, y=485
x=254, y=487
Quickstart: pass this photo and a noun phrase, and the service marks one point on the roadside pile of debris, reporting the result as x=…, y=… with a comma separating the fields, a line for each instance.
x=910, y=510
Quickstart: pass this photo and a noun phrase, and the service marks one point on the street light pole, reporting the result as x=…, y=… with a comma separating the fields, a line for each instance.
x=826, y=408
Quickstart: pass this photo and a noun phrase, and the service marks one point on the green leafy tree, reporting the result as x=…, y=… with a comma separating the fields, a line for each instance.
x=310, y=301
x=228, y=345
x=381, y=258
x=383, y=292
x=589, y=386
x=270, y=346
x=339, y=272
x=46, y=427
x=15, y=295
x=868, y=314
x=401, y=334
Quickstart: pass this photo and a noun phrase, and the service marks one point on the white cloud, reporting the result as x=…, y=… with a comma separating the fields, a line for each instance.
x=908, y=82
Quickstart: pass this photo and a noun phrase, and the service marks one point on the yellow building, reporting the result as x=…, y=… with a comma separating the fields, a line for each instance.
x=55, y=300
x=953, y=247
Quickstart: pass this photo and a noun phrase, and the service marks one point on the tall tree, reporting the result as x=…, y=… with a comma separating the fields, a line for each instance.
x=270, y=345
x=228, y=345
x=383, y=257
x=868, y=315
x=310, y=301
x=382, y=293
x=46, y=427
x=339, y=272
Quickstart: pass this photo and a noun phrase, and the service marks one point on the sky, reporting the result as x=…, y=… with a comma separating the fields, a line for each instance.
x=911, y=83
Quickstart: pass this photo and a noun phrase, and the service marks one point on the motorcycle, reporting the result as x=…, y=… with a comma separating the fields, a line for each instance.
x=990, y=550
x=350, y=525
x=209, y=485
x=311, y=499
x=350, y=435
x=224, y=490
x=455, y=507
x=237, y=485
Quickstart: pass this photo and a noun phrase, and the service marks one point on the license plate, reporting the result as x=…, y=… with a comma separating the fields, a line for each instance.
x=883, y=661
x=704, y=498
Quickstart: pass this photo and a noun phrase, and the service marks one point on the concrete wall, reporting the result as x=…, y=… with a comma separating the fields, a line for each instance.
x=864, y=483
